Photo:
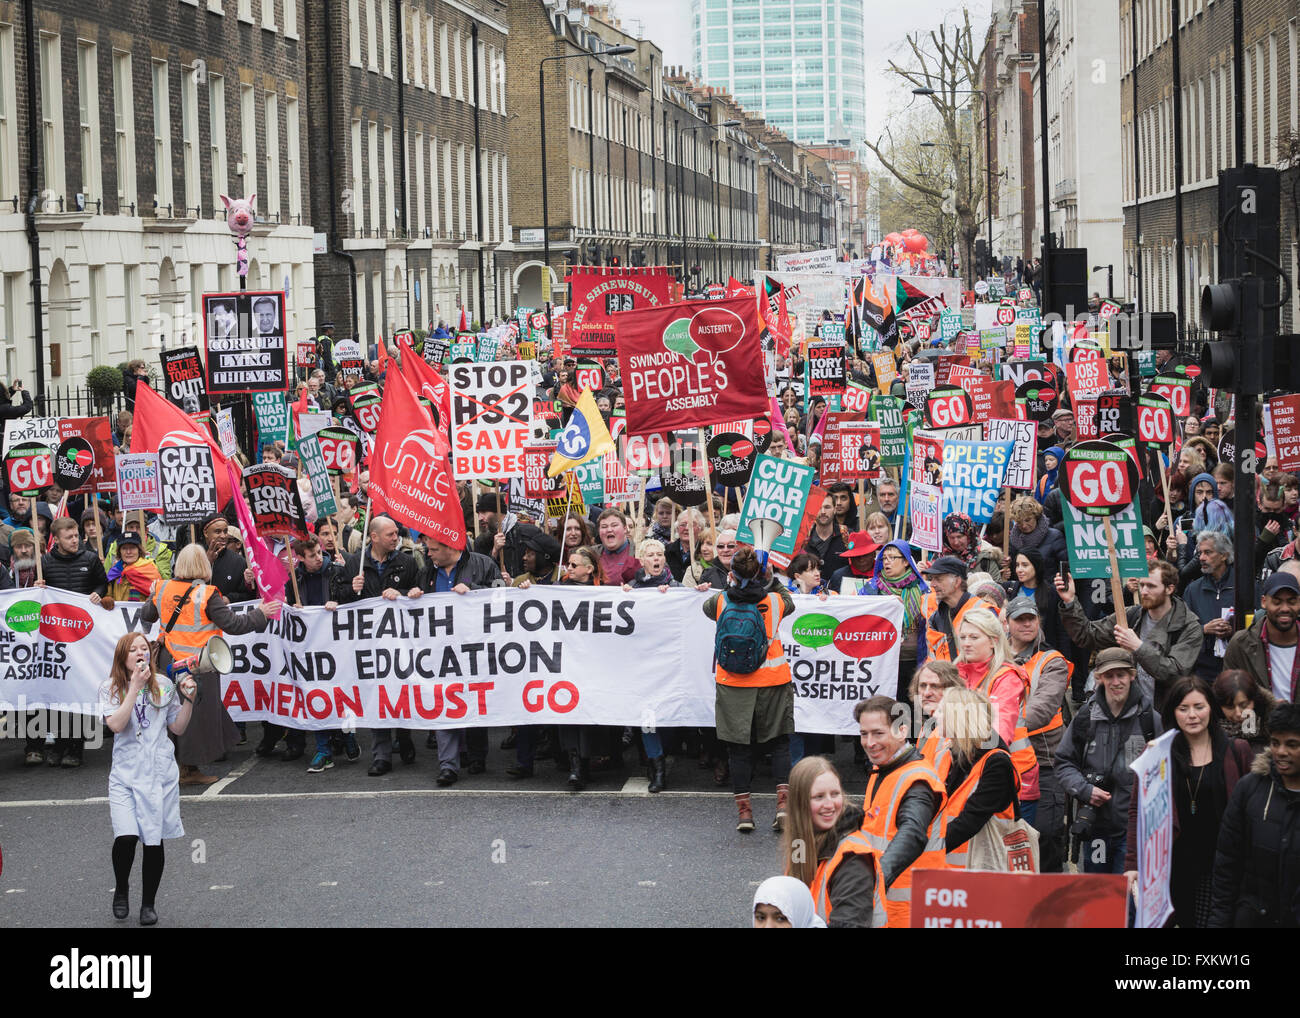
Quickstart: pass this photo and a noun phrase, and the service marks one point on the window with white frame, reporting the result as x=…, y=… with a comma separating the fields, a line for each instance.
x=443, y=71
x=1293, y=48
x=290, y=18
x=271, y=118
x=1274, y=100
x=415, y=30
x=456, y=54
x=449, y=224
x=55, y=179
x=1261, y=73
x=433, y=186
x=190, y=138
x=373, y=181
x=95, y=311
x=460, y=191
x=8, y=113
x=372, y=47
x=354, y=32
x=217, y=136
x=428, y=53
x=483, y=75
x=417, y=147
x=248, y=138
x=386, y=35
x=245, y=10
x=293, y=157
x=390, y=211
x=124, y=128
x=353, y=202
x=162, y=137
x=268, y=15
x=92, y=187
x=472, y=182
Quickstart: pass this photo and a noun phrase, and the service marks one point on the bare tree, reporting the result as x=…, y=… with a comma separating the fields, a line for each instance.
x=946, y=62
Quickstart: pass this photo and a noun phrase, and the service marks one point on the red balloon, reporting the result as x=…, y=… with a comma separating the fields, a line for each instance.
x=916, y=243
x=893, y=238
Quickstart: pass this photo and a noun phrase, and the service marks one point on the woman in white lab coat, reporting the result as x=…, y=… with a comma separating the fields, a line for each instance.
x=141, y=706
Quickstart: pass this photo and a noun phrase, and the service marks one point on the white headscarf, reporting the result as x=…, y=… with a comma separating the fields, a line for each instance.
x=794, y=900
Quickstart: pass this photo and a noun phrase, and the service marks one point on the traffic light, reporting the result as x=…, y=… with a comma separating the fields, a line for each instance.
x=1233, y=309
x=981, y=258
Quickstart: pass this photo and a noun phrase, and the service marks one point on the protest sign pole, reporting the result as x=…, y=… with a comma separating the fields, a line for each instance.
x=1164, y=484
x=1116, y=587
x=708, y=488
x=293, y=571
x=862, y=504
x=564, y=521
x=1006, y=526
x=361, y=554
x=143, y=532
x=501, y=552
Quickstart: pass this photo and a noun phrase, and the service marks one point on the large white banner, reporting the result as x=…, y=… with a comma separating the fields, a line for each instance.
x=808, y=294
x=1155, y=833
x=807, y=261
x=547, y=655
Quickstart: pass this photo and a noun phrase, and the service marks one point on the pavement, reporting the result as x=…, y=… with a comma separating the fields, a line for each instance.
x=271, y=845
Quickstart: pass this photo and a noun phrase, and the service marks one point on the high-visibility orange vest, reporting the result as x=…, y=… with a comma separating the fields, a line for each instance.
x=937, y=752
x=1022, y=753
x=1034, y=669
x=936, y=640
x=193, y=628
x=852, y=844
x=958, y=857
x=775, y=671
x=881, y=825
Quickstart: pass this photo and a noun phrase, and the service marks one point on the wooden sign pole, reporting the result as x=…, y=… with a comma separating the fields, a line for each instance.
x=361, y=555
x=1164, y=484
x=1116, y=586
x=862, y=504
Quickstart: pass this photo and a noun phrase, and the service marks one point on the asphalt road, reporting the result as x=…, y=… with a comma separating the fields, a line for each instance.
x=271, y=845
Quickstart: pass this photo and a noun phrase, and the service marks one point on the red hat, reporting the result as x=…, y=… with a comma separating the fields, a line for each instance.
x=859, y=543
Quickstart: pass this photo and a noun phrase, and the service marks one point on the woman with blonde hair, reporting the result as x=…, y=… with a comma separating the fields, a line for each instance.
x=982, y=781
x=986, y=663
x=191, y=612
x=823, y=846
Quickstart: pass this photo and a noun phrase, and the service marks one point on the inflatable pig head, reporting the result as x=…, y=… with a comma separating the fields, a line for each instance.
x=240, y=215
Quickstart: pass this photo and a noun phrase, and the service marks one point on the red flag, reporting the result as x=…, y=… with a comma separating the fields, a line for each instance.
x=410, y=477
x=159, y=422
x=463, y=324
x=432, y=386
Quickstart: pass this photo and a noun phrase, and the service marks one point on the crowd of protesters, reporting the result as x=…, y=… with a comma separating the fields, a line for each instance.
x=1026, y=692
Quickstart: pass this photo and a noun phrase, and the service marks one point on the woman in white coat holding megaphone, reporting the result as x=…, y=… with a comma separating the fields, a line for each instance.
x=191, y=611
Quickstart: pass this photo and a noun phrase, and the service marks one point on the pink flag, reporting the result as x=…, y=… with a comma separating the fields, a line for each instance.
x=778, y=422
x=268, y=571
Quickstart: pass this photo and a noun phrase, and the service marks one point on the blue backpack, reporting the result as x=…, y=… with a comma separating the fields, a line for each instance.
x=740, y=643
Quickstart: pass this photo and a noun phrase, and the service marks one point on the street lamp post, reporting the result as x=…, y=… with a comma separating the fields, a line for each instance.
x=681, y=211
x=988, y=153
x=613, y=51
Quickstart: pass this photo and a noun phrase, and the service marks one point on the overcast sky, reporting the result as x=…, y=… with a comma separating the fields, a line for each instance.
x=668, y=24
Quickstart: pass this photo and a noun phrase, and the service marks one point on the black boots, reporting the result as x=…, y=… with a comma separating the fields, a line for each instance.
x=577, y=777
x=656, y=772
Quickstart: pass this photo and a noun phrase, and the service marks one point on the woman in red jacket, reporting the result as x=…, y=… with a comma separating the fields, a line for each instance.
x=1206, y=767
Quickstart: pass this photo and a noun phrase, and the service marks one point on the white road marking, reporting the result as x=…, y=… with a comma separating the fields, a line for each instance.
x=328, y=883
x=213, y=790
x=379, y=793
x=15, y=890
x=539, y=883
x=434, y=883
x=637, y=786
x=222, y=887
x=646, y=883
